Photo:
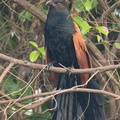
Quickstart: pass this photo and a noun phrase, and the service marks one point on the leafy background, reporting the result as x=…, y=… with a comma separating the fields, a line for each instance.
x=22, y=37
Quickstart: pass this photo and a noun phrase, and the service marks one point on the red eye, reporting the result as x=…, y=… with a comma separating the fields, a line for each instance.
x=58, y=3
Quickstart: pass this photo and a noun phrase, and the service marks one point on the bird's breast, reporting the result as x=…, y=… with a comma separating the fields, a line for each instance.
x=60, y=44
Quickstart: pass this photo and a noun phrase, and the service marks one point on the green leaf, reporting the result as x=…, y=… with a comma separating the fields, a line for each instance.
x=82, y=24
x=28, y=15
x=115, y=27
x=81, y=5
x=117, y=45
x=42, y=51
x=34, y=44
x=11, y=85
x=25, y=15
x=7, y=26
x=99, y=38
x=79, y=21
x=34, y=56
x=103, y=30
x=43, y=116
x=86, y=29
x=42, y=10
x=21, y=16
x=105, y=41
x=88, y=5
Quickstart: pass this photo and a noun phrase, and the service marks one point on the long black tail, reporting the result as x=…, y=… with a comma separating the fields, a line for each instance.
x=78, y=105
x=68, y=107
x=92, y=103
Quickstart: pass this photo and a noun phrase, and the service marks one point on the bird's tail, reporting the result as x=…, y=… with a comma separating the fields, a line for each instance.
x=78, y=105
x=92, y=103
x=68, y=107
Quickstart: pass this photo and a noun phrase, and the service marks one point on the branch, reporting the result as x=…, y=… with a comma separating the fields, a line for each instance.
x=6, y=71
x=31, y=105
x=103, y=62
x=29, y=7
x=108, y=11
x=57, y=69
x=53, y=93
x=111, y=9
x=114, y=49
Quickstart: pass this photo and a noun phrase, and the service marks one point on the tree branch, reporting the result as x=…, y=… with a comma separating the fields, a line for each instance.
x=108, y=11
x=53, y=93
x=111, y=9
x=21, y=106
x=57, y=69
x=6, y=71
x=29, y=7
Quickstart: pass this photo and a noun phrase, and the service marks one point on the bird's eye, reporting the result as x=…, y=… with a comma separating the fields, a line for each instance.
x=58, y=3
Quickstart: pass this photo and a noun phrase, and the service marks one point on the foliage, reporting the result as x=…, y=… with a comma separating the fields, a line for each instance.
x=37, y=116
x=85, y=5
x=25, y=15
x=21, y=36
x=86, y=27
x=117, y=45
x=36, y=53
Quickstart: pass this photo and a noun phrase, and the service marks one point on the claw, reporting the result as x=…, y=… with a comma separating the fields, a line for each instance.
x=50, y=65
x=69, y=70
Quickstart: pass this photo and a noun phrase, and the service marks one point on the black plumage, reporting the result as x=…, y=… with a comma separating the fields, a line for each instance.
x=59, y=40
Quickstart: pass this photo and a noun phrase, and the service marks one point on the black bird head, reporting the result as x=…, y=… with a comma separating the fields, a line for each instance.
x=59, y=15
x=57, y=4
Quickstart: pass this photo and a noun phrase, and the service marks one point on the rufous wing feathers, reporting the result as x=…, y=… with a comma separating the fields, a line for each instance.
x=82, y=54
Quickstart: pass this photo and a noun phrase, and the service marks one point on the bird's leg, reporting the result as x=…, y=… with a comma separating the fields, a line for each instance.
x=69, y=70
x=50, y=65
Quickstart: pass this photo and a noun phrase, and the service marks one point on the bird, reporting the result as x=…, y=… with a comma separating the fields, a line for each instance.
x=66, y=47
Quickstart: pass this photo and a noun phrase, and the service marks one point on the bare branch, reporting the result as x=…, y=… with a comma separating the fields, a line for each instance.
x=58, y=69
x=108, y=11
x=53, y=93
x=27, y=106
x=6, y=71
x=29, y=7
x=111, y=9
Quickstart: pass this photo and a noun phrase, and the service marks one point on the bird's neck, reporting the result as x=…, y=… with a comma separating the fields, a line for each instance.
x=60, y=20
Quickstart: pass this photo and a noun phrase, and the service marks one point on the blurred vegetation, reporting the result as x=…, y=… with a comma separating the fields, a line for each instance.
x=22, y=37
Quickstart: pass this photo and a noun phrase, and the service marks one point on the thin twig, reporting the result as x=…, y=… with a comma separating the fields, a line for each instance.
x=59, y=92
x=6, y=71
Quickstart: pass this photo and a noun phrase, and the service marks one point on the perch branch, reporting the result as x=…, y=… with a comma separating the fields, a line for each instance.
x=57, y=69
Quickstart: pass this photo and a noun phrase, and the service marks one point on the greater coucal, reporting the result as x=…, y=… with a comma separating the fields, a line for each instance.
x=65, y=45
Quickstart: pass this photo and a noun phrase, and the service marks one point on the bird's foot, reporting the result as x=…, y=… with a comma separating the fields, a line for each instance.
x=50, y=65
x=69, y=70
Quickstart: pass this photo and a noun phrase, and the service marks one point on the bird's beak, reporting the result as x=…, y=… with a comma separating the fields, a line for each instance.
x=49, y=3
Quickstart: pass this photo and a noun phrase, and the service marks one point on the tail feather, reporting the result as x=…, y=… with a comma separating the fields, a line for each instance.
x=97, y=101
x=92, y=103
x=78, y=105
x=68, y=107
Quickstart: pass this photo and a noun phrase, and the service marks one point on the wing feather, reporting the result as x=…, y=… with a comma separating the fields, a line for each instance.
x=82, y=54
x=52, y=75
